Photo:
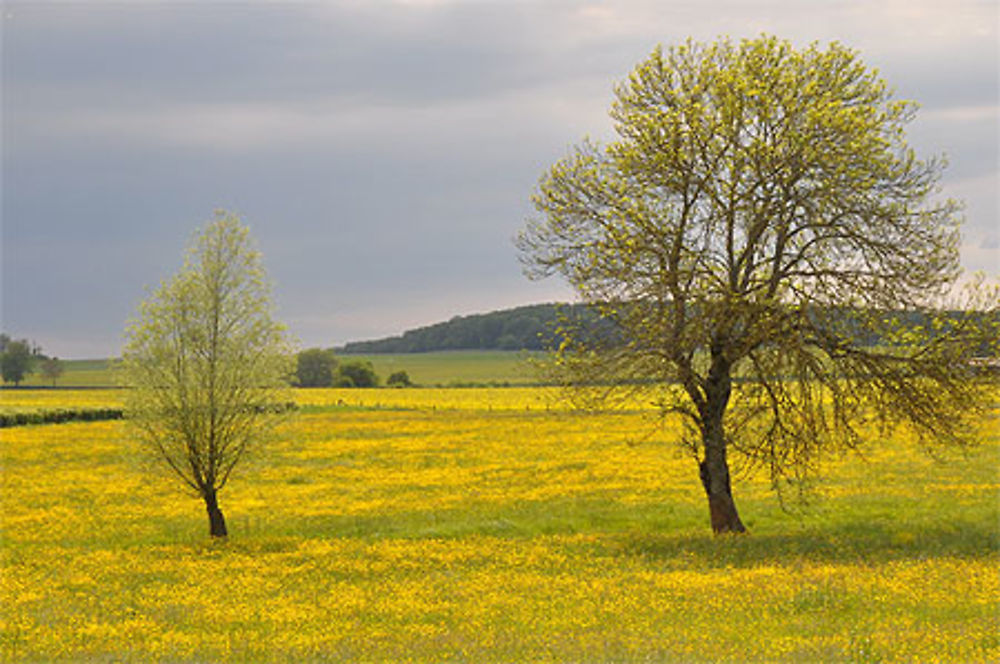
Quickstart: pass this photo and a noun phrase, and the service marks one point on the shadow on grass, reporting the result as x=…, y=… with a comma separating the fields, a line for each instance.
x=842, y=543
x=678, y=538
x=520, y=520
x=668, y=535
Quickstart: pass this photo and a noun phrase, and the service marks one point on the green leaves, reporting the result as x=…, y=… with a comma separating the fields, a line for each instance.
x=760, y=208
x=205, y=362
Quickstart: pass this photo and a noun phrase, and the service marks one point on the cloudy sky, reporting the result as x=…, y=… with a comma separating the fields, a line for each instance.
x=382, y=153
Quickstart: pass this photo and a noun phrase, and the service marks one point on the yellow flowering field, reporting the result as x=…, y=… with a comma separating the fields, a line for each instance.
x=488, y=525
x=482, y=398
x=34, y=400
x=524, y=398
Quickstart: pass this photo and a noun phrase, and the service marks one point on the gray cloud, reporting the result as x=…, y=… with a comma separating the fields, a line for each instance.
x=383, y=153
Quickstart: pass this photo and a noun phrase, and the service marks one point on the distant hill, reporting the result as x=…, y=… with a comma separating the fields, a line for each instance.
x=535, y=327
x=529, y=327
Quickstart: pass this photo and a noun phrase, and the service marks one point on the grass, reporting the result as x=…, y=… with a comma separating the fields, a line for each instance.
x=76, y=373
x=489, y=525
x=456, y=368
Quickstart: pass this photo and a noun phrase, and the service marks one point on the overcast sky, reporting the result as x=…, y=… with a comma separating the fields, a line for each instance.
x=382, y=153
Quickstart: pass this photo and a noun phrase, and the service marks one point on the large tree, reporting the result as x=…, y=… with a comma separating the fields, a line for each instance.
x=773, y=256
x=206, y=364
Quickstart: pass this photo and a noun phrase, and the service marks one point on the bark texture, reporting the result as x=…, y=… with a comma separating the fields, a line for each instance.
x=714, y=468
x=721, y=506
x=216, y=521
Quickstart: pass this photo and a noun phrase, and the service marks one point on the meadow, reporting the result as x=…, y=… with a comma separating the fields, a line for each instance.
x=487, y=525
x=432, y=369
x=456, y=367
x=76, y=373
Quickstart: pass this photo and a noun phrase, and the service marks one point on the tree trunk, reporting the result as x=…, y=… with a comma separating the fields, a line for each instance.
x=721, y=507
x=714, y=469
x=216, y=522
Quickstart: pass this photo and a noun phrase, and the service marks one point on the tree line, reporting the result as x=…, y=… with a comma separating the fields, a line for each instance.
x=318, y=367
x=531, y=327
x=545, y=327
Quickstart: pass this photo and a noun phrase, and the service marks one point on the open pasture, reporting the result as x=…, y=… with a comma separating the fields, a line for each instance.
x=488, y=525
x=440, y=368
x=456, y=367
x=77, y=373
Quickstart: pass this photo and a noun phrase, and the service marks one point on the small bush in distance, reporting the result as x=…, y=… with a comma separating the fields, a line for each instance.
x=399, y=379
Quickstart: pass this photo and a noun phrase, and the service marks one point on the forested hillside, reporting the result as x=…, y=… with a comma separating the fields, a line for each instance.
x=531, y=327
x=536, y=327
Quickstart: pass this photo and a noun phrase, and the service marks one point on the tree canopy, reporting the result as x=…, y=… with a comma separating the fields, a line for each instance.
x=355, y=373
x=315, y=368
x=16, y=361
x=206, y=364
x=758, y=218
x=52, y=368
x=399, y=379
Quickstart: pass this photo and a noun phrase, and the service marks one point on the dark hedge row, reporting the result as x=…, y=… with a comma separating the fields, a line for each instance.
x=60, y=415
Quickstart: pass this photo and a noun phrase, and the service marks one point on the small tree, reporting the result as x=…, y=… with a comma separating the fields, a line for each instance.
x=356, y=373
x=16, y=361
x=398, y=379
x=52, y=369
x=771, y=255
x=207, y=366
x=315, y=367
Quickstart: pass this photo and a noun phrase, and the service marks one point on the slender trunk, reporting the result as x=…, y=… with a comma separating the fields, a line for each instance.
x=714, y=468
x=216, y=522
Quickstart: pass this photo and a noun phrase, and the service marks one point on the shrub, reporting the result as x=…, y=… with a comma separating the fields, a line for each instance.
x=399, y=379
